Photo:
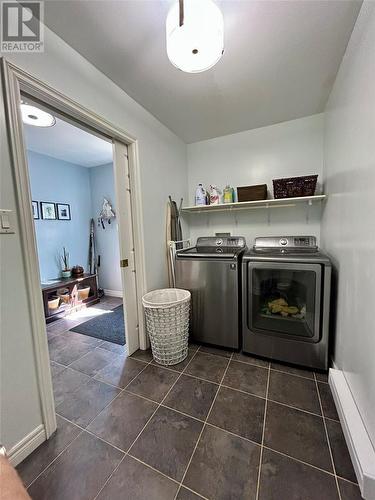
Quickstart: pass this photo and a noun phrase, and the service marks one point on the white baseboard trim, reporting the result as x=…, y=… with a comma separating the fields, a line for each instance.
x=113, y=293
x=27, y=445
x=360, y=447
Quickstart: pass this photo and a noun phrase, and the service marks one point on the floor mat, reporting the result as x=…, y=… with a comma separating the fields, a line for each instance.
x=108, y=326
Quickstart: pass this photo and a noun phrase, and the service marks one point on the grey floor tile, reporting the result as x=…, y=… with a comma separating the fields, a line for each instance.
x=145, y=356
x=153, y=382
x=59, y=326
x=297, y=434
x=192, y=396
x=35, y=463
x=56, y=369
x=284, y=478
x=116, y=348
x=121, y=422
x=134, y=481
x=120, y=371
x=340, y=452
x=252, y=360
x=167, y=442
x=224, y=466
x=179, y=367
x=321, y=377
x=56, y=343
x=73, y=351
x=208, y=366
x=66, y=382
x=216, y=350
x=239, y=413
x=193, y=346
x=83, y=405
x=185, y=494
x=328, y=404
x=294, y=391
x=85, y=339
x=79, y=473
x=245, y=377
x=94, y=361
x=349, y=491
x=293, y=370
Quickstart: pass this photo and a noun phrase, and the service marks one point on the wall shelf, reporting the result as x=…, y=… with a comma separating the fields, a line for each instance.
x=251, y=205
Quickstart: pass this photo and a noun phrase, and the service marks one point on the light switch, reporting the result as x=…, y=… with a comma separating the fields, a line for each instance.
x=6, y=222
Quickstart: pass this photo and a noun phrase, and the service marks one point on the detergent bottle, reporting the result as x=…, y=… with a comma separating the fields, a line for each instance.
x=200, y=195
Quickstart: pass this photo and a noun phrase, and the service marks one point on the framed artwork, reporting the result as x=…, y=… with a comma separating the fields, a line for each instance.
x=35, y=207
x=63, y=211
x=48, y=210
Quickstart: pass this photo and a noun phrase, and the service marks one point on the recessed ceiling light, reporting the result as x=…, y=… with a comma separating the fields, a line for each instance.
x=37, y=117
x=195, y=35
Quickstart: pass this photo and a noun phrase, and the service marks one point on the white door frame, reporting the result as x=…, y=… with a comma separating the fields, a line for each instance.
x=15, y=81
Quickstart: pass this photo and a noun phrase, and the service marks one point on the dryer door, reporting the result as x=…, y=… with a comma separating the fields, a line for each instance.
x=284, y=300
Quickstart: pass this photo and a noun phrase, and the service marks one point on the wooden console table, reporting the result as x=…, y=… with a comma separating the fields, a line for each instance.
x=61, y=296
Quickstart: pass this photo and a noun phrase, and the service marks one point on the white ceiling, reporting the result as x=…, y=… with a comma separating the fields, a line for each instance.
x=69, y=143
x=280, y=60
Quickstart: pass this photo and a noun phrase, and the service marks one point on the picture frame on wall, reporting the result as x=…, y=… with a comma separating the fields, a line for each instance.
x=35, y=208
x=48, y=210
x=63, y=211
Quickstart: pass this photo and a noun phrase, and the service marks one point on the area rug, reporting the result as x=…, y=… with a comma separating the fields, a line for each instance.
x=108, y=326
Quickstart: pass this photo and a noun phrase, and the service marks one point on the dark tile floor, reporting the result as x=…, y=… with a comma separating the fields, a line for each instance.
x=218, y=426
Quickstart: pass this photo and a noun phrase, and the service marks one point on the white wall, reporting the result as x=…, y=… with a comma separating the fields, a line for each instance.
x=163, y=171
x=106, y=240
x=348, y=223
x=19, y=401
x=256, y=157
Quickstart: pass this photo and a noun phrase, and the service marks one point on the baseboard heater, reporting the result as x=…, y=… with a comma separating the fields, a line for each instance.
x=357, y=439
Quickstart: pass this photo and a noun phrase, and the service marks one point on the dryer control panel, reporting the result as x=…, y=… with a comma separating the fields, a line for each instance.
x=300, y=243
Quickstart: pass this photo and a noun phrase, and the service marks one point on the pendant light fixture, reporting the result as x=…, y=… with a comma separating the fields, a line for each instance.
x=195, y=35
x=32, y=115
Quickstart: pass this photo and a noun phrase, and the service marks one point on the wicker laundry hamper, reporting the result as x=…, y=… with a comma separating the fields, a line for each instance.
x=167, y=321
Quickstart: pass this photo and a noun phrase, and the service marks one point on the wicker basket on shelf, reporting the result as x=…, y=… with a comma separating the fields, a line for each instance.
x=293, y=187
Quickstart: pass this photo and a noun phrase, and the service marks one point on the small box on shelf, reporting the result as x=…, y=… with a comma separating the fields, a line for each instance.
x=252, y=193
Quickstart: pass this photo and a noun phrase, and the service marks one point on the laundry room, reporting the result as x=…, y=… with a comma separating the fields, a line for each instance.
x=187, y=194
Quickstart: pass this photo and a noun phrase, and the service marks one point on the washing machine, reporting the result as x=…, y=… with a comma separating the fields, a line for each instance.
x=211, y=271
x=286, y=292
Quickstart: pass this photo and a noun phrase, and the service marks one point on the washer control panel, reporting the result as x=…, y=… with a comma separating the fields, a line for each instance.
x=234, y=242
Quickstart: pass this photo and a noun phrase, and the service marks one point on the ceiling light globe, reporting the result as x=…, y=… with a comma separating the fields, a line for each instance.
x=37, y=117
x=198, y=44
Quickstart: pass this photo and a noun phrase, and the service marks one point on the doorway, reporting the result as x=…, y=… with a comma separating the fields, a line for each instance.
x=75, y=221
x=127, y=193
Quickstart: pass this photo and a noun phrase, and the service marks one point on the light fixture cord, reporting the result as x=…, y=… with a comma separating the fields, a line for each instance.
x=181, y=2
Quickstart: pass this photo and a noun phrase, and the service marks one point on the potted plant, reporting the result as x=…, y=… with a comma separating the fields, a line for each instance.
x=66, y=272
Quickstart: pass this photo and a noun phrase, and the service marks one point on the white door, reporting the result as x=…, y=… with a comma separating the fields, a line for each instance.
x=126, y=241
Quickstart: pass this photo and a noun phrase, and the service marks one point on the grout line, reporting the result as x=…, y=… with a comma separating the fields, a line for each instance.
x=151, y=467
x=54, y=460
x=327, y=437
x=117, y=395
x=204, y=425
x=92, y=434
x=110, y=476
x=299, y=461
x=127, y=452
x=250, y=393
x=263, y=432
x=162, y=401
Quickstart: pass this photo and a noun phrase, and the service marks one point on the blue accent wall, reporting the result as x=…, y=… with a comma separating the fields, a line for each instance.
x=59, y=181
x=107, y=240
x=83, y=189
